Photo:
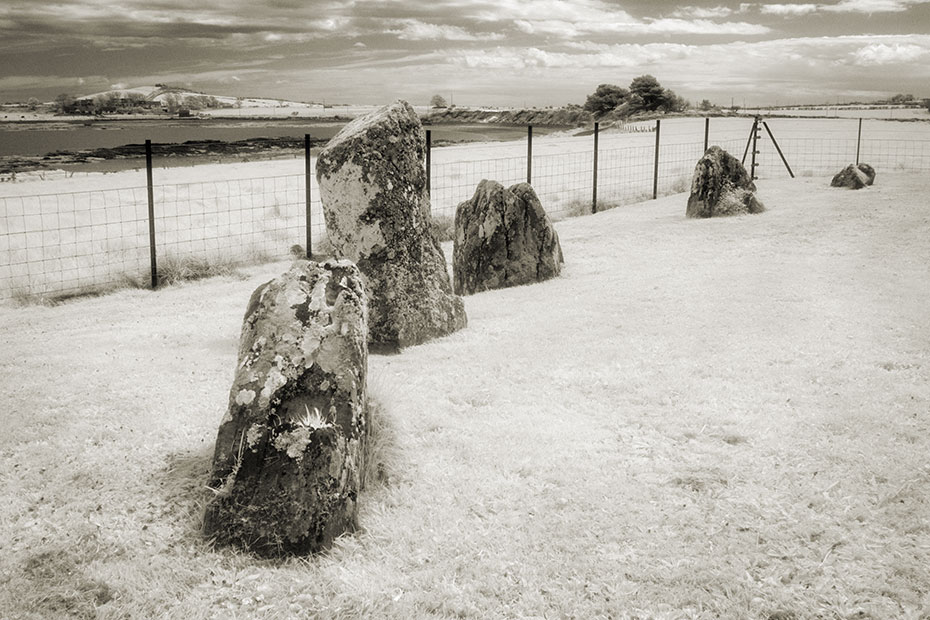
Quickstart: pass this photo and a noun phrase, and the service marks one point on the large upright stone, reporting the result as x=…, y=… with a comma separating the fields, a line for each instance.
x=854, y=176
x=721, y=186
x=373, y=187
x=503, y=237
x=289, y=455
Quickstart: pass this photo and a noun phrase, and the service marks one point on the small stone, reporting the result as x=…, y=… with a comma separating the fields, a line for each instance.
x=854, y=176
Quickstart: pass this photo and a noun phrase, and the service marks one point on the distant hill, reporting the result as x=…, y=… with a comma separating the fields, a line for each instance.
x=164, y=93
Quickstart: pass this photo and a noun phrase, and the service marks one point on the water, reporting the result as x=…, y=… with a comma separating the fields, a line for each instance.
x=42, y=138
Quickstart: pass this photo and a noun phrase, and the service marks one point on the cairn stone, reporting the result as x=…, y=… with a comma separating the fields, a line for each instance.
x=854, y=176
x=721, y=186
x=373, y=188
x=289, y=456
x=503, y=237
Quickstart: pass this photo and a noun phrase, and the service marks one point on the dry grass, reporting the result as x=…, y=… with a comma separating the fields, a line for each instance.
x=443, y=227
x=722, y=418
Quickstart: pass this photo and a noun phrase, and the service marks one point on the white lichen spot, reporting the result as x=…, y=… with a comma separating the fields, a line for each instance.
x=274, y=381
x=245, y=397
x=324, y=385
x=254, y=435
x=293, y=442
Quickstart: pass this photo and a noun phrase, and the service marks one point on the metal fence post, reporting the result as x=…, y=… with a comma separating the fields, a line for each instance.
x=706, y=133
x=594, y=192
x=308, y=174
x=151, y=196
x=858, y=141
x=655, y=168
x=529, y=153
x=755, y=148
x=778, y=148
x=429, y=150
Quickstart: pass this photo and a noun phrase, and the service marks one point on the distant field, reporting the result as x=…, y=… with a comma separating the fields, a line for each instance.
x=724, y=418
x=69, y=231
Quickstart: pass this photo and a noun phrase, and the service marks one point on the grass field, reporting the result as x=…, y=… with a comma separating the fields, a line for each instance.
x=69, y=233
x=723, y=418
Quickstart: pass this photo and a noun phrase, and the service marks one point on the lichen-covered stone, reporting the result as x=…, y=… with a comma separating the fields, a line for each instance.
x=503, y=237
x=373, y=187
x=721, y=186
x=854, y=176
x=289, y=455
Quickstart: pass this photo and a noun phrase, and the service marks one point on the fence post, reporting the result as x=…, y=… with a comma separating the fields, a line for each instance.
x=151, y=197
x=755, y=147
x=655, y=168
x=778, y=148
x=858, y=141
x=308, y=174
x=594, y=193
x=529, y=153
x=429, y=150
x=706, y=133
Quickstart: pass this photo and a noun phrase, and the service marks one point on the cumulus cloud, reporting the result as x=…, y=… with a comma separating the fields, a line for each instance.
x=877, y=54
x=699, y=12
x=416, y=30
x=788, y=9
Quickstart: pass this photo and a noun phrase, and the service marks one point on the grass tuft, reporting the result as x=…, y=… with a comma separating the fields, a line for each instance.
x=443, y=227
x=174, y=269
x=381, y=454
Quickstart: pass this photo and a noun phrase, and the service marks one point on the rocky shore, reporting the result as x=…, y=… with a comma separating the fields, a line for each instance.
x=264, y=147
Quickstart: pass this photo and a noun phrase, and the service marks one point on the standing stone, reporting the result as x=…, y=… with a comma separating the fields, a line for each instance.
x=854, y=176
x=287, y=466
x=373, y=187
x=721, y=186
x=503, y=237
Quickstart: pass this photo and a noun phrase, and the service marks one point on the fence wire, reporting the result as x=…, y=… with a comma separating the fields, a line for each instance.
x=72, y=243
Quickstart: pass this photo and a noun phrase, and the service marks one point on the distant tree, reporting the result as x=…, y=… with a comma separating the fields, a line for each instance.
x=32, y=103
x=438, y=101
x=706, y=105
x=674, y=103
x=902, y=98
x=605, y=98
x=106, y=102
x=62, y=101
x=172, y=103
x=651, y=92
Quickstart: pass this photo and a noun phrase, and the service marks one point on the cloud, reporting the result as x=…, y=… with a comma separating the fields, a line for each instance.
x=416, y=30
x=788, y=9
x=843, y=6
x=879, y=54
x=871, y=6
x=699, y=12
x=575, y=29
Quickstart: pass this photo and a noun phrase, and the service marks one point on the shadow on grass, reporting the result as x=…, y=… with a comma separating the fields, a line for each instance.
x=182, y=482
x=55, y=582
x=183, y=485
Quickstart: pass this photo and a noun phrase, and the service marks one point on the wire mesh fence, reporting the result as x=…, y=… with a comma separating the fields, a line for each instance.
x=68, y=243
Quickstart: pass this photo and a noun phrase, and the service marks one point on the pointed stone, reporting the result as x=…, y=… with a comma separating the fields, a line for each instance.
x=373, y=187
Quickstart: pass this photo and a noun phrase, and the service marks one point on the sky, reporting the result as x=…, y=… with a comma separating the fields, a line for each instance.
x=472, y=52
